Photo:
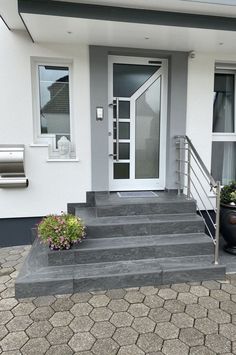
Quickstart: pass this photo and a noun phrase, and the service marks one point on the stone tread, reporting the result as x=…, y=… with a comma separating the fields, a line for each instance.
x=139, y=241
x=132, y=267
x=90, y=219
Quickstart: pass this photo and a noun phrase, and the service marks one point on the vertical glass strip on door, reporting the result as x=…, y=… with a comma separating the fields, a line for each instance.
x=147, y=132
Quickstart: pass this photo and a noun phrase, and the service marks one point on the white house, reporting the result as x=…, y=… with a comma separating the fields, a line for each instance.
x=140, y=71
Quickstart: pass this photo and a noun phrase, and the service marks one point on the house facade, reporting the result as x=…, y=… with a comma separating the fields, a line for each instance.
x=120, y=80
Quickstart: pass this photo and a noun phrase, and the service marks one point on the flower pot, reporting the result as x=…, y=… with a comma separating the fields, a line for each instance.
x=228, y=227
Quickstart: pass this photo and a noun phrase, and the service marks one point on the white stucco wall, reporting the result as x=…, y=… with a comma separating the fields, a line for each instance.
x=51, y=184
x=201, y=71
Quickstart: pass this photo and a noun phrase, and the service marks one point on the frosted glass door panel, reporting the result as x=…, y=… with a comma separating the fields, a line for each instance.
x=147, y=132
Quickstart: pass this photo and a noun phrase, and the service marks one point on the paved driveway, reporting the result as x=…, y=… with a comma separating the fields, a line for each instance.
x=178, y=319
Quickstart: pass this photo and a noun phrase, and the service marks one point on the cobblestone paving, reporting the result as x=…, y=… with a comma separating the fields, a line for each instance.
x=178, y=319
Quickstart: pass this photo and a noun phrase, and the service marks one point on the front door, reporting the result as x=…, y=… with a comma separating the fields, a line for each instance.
x=137, y=123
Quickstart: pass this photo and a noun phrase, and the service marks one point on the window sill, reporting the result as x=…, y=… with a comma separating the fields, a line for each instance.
x=39, y=145
x=63, y=160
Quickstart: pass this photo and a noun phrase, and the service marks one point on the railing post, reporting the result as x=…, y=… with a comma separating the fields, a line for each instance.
x=189, y=172
x=178, y=154
x=217, y=236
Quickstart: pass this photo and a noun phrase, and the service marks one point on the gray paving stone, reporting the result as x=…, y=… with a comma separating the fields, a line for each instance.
x=206, y=326
x=167, y=294
x=138, y=310
x=143, y=325
x=81, y=297
x=12, y=352
x=125, y=336
x=13, y=341
x=81, y=309
x=218, y=343
x=105, y=347
x=219, y=316
x=62, y=304
x=59, y=335
x=150, y=342
x=121, y=319
x=44, y=301
x=35, y=346
x=228, y=306
x=101, y=314
x=196, y=311
x=103, y=330
x=187, y=298
x=8, y=293
x=191, y=336
x=81, y=324
x=199, y=291
x=148, y=290
x=220, y=295
x=82, y=341
x=130, y=350
x=181, y=287
x=99, y=301
x=134, y=297
x=60, y=319
x=174, y=306
x=7, y=304
x=118, y=305
x=42, y=313
x=159, y=315
x=167, y=330
x=211, y=285
x=4, y=279
x=175, y=347
x=39, y=329
x=229, y=288
x=153, y=301
x=59, y=350
x=3, y=331
x=201, y=350
x=182, y=320
x=5, y=316
x=208, y=302
x=228, y=331
x=116, y=294
x=19, y=323
x=2, y=287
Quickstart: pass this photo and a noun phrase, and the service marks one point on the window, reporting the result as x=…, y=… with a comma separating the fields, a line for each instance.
x=223, y=163
x=51, y=93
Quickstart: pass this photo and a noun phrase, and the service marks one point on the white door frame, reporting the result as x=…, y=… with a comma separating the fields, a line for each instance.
x=132, y=183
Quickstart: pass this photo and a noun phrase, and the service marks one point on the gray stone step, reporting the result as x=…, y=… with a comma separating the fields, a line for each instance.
x=133, y=248
x=35, y=279
x=139, y=207
x=121, y=226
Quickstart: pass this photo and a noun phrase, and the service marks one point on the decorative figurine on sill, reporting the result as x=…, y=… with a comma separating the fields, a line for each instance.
x=64, y=147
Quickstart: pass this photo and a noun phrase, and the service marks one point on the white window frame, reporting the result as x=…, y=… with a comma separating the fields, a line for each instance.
x=226, y=136
x=47, y=138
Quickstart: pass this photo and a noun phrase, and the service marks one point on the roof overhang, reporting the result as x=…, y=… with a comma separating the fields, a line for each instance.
x=66, y=22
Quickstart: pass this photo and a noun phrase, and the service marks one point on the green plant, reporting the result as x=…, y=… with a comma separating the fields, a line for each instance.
x=61, y=231
x=228, y=194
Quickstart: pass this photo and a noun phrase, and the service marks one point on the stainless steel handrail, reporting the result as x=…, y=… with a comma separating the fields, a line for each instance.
x=185, y=152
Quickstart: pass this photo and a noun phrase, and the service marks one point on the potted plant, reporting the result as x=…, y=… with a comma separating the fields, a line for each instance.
x=228, y=216
x=61, y=231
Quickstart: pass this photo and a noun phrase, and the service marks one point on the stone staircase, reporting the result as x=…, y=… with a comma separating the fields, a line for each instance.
x=130, y=242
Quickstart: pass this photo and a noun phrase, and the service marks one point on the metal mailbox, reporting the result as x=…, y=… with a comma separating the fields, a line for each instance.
x=12, y=172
